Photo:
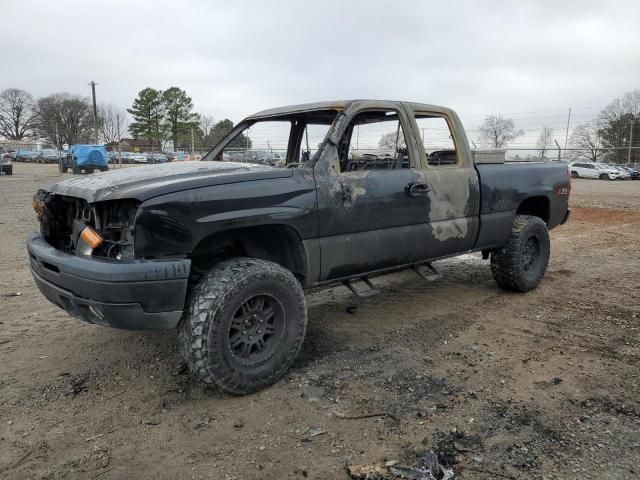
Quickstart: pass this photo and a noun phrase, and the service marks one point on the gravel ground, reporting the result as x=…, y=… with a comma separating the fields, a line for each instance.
x=500, y=385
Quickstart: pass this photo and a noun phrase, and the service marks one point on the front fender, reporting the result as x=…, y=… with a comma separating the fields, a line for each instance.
x=174, y=224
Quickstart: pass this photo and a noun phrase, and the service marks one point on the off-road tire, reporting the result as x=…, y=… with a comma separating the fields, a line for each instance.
x=203, y=332
x=510, y=265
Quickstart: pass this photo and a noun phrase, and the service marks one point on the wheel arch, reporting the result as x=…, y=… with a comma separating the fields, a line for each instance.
x=278, y=243
x=537, y=206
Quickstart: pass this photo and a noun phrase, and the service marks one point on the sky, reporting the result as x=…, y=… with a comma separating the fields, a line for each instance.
x=529, y=60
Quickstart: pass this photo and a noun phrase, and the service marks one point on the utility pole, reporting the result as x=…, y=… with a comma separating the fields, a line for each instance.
x=57, y=139
x=558, y=149
x=95, y=112
x=630, y=141
x=193, y=141
x=566, y=135
x=119, y=151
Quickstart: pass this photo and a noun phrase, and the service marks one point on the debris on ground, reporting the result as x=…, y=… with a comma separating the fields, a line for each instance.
x=77, y=386
x=315, y=432
x=369, y=472
x=14, y=294
x=357, y=416
x=428, y=468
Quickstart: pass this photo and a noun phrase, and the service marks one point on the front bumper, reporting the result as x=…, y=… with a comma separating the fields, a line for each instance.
x=139, y=295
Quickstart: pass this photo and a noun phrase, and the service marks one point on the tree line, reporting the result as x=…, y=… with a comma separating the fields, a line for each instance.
x=609, y=137
x=158, y=116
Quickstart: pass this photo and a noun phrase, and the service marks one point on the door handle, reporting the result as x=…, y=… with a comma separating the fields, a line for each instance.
x=417, y=189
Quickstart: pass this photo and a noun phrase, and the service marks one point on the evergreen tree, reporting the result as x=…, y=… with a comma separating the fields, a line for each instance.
x=221, y=130
x=148, y=111
x=178, y=115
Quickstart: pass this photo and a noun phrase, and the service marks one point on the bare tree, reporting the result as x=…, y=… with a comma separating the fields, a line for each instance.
x=112, y=122
x=545, y=140
x=17, y=113
x=497, y=131
x=65, y=118
x=206, y=123
x=587, y=139
x=392, y=141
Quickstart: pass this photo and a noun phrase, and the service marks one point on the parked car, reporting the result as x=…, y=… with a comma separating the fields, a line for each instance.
x=6, y=161
x=624, y=175
x=85, y=159
x=26, y=156
x=138, y=158
x=246, y=239
x=48, y=155
x=593, y=170
x=126, y=157
x=157, y=158
x=635, y=174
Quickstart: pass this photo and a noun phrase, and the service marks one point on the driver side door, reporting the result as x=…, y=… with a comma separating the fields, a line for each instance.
x=372, y=199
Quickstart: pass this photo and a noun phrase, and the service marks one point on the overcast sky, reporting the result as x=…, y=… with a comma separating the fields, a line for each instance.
x=236, y=57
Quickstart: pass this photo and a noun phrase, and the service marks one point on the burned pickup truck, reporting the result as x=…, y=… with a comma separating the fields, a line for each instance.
x=223, y=251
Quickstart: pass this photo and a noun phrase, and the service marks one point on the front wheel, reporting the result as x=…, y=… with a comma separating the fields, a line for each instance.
x=604, y=176
x=244, y=325
x=522, y=261
x=574, y=174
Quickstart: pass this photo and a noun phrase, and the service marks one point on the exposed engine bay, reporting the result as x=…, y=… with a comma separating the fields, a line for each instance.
x=63, y=219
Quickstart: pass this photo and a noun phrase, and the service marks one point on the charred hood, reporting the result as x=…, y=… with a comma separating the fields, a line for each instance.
x=142, y=183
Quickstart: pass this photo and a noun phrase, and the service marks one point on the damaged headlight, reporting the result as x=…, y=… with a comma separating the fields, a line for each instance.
x=86, y=238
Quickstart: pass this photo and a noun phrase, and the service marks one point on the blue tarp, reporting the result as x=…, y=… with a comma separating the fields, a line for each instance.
x=95, y=155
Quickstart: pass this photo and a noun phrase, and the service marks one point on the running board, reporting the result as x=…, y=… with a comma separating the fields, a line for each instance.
x=428, y=272
x=373, y=290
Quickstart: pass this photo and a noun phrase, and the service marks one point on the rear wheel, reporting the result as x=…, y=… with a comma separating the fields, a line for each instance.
x=522, y=261
x=244, y=325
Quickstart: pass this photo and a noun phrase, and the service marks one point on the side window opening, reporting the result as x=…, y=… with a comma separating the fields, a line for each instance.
x=374, y=140
x=437, y=140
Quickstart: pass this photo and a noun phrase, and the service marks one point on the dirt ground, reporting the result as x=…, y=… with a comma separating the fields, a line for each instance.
x=500, y=385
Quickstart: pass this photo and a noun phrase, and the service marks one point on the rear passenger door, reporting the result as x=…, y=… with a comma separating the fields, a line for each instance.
x=452, y=182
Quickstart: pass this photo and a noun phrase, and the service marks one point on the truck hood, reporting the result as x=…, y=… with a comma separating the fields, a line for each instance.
x=142, y=183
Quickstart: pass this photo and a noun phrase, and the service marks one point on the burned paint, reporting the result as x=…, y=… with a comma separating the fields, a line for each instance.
x=448, y=202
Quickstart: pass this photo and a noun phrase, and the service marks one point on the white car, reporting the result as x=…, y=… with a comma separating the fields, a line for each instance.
x=138, y=158
x=624, y=174
x=594, y=170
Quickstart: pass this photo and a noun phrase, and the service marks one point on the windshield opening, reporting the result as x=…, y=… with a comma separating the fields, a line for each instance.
x=286, y=141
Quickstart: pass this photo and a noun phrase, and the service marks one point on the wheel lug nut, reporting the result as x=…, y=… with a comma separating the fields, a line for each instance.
x=259, y=331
